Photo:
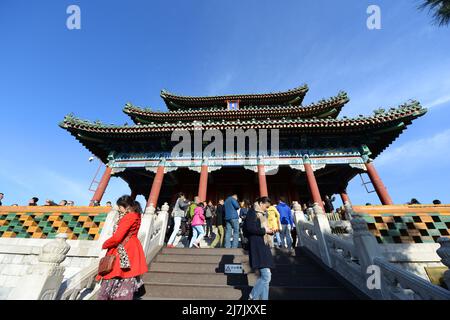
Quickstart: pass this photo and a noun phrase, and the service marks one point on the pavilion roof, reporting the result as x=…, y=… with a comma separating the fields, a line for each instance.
x=290, y=97
x=381, y=129
x=320, y=109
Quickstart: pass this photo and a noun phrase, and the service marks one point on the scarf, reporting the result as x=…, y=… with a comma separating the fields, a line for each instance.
x=123, y=256
x=262, y=216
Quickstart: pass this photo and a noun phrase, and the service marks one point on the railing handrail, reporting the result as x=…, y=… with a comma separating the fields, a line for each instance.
x=342, y=243
x=408, y=280
x=308, y=225
x=71, y=287
x=352, y=256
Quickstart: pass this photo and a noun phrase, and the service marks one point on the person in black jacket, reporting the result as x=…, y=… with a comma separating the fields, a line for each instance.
x=245, y=206
x=329, y=208
x=220, y=224
x=258, y=233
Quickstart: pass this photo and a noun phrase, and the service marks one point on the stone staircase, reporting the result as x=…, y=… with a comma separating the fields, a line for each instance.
x=190, y=274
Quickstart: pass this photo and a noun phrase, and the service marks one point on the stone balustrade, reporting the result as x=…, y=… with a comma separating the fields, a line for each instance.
x=359, y=258
x=44, y=281
x=398, y=284
x=444, y=253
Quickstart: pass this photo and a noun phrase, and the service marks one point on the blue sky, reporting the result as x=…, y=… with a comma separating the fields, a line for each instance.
x=130, y=50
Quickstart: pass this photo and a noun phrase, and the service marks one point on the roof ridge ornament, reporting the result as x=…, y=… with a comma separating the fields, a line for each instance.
x=379, y=111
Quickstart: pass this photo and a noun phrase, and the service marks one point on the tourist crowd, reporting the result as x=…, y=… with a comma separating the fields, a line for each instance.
x=256, y=227
x=223, y=224
x=63, y=203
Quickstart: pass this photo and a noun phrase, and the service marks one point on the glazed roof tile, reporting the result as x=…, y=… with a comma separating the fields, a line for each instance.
x=322, y=108
x=407, y=111
x=174, y=101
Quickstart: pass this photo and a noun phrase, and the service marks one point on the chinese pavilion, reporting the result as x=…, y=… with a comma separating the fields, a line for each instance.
x=319, y=152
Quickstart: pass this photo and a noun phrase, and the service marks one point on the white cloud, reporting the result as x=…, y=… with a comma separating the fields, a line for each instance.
x=418, y=153
x=65, y=187
x=22, y=184
x=438, y=102
x=11, y=177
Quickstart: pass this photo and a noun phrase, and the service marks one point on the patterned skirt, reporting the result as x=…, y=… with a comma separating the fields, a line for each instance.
x=119, y=288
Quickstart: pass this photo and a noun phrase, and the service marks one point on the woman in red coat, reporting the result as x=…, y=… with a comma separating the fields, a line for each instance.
x=124, y=279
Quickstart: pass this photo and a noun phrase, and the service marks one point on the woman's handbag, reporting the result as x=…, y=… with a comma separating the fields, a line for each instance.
x=106, y=263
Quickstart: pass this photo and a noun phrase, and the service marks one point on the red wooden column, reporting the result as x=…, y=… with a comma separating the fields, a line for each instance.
x=262, y=180
x=312, y=184
x=156, y=186
x=381, y=190
x=344, y=197
x=103, y=184
x=203, y=183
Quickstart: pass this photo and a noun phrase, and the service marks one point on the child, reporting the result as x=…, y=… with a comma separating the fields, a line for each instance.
x=197, y=225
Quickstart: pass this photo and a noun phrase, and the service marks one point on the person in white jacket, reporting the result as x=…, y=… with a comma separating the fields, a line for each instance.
x=178, y=214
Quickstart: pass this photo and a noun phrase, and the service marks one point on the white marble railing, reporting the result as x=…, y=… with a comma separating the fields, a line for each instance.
x=308, y=236
x=82, y=286
x=153, y=230
x=358, y=258
x=345, y=261
x=398, y=284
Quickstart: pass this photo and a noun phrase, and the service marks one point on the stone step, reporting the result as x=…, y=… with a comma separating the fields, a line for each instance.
x=201, y=258
x=178, y=249
x=312, y=293
x=278, y=280
x=194, y=292
x=180, y=267
x=241, y=292
x=203, y=268
x=203, y=251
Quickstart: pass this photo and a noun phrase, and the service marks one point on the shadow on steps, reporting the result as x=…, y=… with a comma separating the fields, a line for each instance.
x=199, y=274
x=232, y=279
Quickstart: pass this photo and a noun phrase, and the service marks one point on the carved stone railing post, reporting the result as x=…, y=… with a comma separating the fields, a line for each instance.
x=42, y=282
x=150, y=209
x=146, y=230
x=349, y=213
x=444, y=253
x=164, y=214
x=299, y=217
x=107, y=230
x=310, y=213
x=367, y=249
x=322, y=227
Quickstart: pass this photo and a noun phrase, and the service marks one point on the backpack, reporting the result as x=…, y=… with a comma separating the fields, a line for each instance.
x=190, y=211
